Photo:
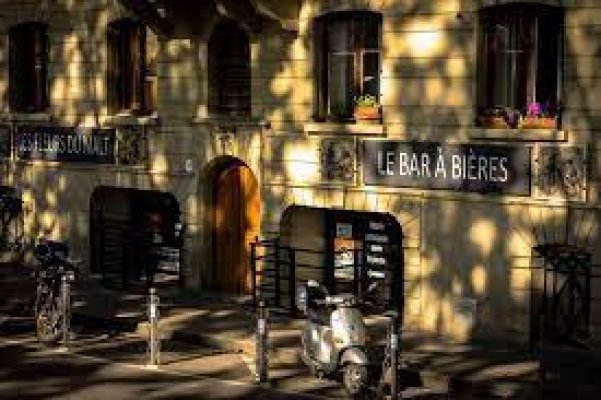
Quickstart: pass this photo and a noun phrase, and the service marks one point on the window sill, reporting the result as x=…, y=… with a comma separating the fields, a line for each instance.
x=519, y=135
x=126, y=119
x=26, y=117
x=241, y=122
x=333, y=128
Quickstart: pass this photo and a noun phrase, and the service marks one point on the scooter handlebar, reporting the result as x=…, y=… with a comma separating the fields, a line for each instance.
x=340, y=300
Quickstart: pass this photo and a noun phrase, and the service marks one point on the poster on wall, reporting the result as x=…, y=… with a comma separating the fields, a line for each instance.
x=60, y=143
x=344, y=252
x=480, y=168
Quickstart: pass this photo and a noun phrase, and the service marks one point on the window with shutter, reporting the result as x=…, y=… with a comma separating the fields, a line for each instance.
x=28, y=59
x=347, y=52
x=229, y=70
x=126, y=67
x=519, y=58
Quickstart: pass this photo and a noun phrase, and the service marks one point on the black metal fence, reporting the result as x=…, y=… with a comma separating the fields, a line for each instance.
x=563, y=298
x=278, y=269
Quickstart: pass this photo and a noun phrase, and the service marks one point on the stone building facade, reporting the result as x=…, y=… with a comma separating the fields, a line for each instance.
x=465, y=77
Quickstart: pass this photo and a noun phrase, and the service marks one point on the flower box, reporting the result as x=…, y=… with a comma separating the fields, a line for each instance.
x=492, y=122
x=367, y=114
x=539, y=123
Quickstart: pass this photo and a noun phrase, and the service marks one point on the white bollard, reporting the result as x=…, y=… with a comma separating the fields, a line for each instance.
x=154, y=339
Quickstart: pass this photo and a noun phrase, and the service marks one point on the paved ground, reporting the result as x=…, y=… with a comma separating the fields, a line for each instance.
x=101, y=368
x=106, y=359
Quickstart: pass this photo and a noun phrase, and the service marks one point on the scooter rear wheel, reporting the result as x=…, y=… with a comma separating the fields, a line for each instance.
x=46, y=328
x=354, y=378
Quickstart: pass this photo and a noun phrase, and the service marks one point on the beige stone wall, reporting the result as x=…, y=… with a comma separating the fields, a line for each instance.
x=57, y=195
x=467, y=256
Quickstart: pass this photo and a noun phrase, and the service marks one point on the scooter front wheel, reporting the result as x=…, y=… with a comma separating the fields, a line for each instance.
x=354, y=378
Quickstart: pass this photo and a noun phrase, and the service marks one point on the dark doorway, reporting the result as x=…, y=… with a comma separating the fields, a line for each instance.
x=236, y=220
x=135, y=236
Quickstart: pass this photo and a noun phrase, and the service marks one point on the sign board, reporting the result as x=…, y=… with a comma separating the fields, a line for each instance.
x=480, y=168
x=377, y=254
x=58, y=143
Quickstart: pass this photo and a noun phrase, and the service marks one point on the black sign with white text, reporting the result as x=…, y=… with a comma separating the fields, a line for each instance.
x=58, y=143
x=480, y=168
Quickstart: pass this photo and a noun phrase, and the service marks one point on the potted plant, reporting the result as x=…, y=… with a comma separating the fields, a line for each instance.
x=539, y=117
x=495, y=118
x=367, y=109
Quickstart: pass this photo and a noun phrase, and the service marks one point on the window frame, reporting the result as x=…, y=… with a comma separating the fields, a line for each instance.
x=538, y=14
x=28, y=85
x=323, y=53
x=128, y=75
x=217, y=90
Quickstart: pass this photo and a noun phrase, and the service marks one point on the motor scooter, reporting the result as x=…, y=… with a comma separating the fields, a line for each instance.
x=334, y=337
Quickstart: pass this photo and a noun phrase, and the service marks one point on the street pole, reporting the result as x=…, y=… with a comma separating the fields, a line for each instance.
x=66, y=311
x=394, y=348
x=261, y=343
x=154, y=340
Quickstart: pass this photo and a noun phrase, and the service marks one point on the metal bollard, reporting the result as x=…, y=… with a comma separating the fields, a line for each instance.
x=66, y=310
x=154, y=339
x=394, y=349
x=262, y=343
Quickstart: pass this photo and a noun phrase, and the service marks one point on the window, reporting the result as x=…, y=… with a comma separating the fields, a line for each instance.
x=229, y=70
x=347, y=57
x=28, y=59
x=130, y=78
x=519, y=55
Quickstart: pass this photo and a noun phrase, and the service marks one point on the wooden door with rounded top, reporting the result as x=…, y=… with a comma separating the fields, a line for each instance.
x=237, y=210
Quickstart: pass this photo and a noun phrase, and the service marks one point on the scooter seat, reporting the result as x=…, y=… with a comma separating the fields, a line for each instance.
x=320, y=317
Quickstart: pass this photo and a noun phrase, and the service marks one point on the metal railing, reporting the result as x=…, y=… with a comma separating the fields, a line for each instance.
x=278, y=269
x=566, y=277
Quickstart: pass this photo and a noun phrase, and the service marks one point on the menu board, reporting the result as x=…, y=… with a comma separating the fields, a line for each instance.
x=364, y=248
x=377, y=244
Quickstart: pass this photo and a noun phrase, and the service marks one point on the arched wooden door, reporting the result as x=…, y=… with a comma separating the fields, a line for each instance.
x=236, y=222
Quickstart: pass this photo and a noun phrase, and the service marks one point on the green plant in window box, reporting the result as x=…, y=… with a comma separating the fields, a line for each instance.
x=367, y=109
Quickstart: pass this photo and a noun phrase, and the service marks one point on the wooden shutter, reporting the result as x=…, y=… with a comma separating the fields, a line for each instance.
x=126, y=51
x=137, y=51
x=40, y=67
x=320, y=67
x=229, y=70
x=16, y=91
x=549, y=65
x=28, y=61
x=112, y=68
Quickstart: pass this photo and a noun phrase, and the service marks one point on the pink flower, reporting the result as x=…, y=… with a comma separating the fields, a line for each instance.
x=534, y=109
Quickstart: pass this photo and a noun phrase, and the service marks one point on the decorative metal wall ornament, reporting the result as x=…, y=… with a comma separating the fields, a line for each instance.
x=338, y=158
x=562, y=171
x=131, y=145
x=224, y=136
